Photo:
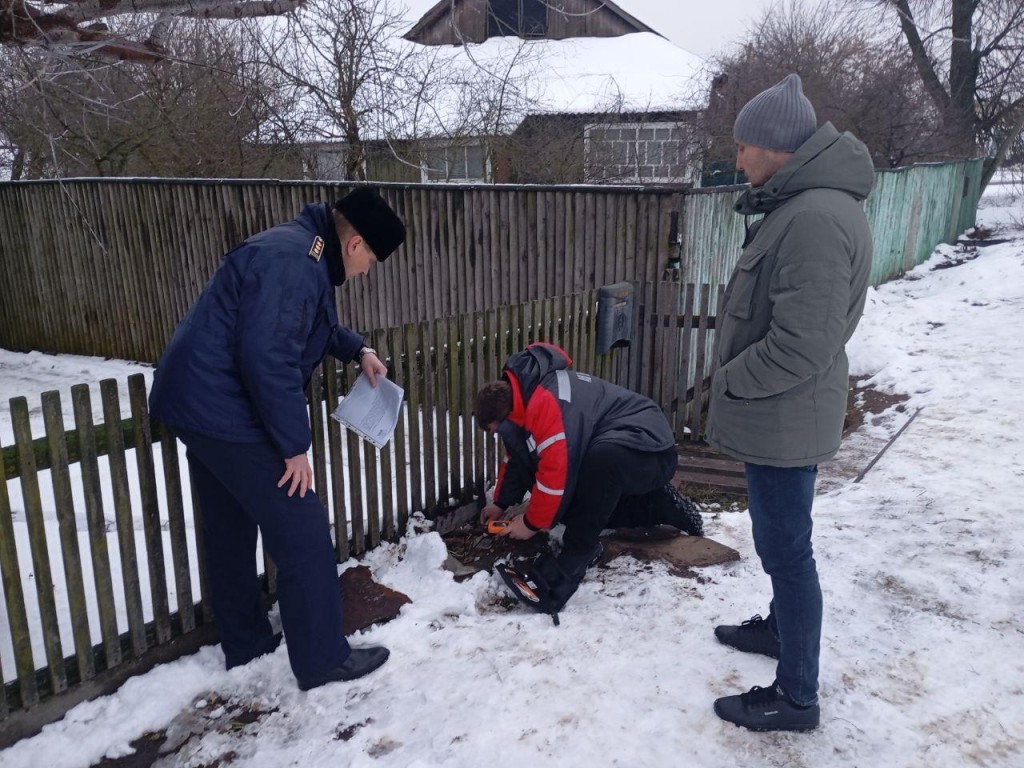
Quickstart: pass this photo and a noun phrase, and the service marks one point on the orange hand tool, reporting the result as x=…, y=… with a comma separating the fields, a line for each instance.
x=497, y=526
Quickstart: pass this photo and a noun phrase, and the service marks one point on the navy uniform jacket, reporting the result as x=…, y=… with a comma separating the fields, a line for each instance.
x=557, y=416
x=238, y=363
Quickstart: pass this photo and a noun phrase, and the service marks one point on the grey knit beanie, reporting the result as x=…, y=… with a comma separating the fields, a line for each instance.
x=780, y=118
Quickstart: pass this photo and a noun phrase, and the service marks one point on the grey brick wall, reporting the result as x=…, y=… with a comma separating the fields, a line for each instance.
x=638, y=152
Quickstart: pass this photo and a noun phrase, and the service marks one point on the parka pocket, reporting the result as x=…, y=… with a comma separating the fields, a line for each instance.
x=744, y=281
x=294, y=320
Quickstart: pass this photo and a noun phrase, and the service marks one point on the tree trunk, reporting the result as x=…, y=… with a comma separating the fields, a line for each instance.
x=18, y=164
x=963, y=78
x=956, y=107
x=992, y=163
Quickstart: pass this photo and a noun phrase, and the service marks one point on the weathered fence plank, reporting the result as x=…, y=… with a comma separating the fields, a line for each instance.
x=14, y=599
x=334, y=446
x=176, y=526
x=43, y=577
x=125, y=524
x=97, y=524
x=65, y=503
x=150, y=510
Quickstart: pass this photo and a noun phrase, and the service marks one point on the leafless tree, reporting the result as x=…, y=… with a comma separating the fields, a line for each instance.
x=206, y=111
x=355, y=81
x=372, y=101
x=856, y=80
x=969, y=56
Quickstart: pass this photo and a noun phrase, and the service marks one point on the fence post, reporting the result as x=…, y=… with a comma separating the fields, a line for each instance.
x=14, y=599
x=37, y=543
x=97, y=524
x=339, y=504
x=123, y=515
x=696, y=422
x=58, y=448
x=176, y=526
x=150, y=511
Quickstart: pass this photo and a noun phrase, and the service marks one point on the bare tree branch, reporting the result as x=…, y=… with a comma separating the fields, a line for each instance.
x=73, y=29
x=919, y=53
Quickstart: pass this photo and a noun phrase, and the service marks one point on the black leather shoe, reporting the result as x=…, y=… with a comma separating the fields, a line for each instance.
x=752, y=636
x=362, y=661
x=767, y=709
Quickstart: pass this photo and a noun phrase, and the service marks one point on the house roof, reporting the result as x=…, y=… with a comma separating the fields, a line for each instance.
x=639, y=72
x=489, y=87
x=533, y=120
x=438, y=9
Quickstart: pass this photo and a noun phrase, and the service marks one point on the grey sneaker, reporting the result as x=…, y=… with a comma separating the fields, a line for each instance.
x=752, y=636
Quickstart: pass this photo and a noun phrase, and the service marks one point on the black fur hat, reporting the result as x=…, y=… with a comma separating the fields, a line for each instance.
x=373, y=219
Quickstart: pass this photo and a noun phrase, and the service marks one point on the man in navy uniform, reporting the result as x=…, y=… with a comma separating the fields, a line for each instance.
x=231, y=384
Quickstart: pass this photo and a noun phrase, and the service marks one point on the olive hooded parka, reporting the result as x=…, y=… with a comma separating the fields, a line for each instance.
x=796, y=295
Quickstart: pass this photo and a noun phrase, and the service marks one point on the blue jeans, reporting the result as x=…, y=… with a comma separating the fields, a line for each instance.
x=780, y=500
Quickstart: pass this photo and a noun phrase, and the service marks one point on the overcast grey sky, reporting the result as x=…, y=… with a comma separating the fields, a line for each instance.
x=703, y=27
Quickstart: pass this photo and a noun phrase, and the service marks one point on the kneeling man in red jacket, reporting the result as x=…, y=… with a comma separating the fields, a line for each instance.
x=592, y=455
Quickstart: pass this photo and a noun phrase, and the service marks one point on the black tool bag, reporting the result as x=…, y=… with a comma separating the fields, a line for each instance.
x=531, y=588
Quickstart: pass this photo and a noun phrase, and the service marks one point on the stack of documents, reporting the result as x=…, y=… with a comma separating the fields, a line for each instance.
x=371, y=412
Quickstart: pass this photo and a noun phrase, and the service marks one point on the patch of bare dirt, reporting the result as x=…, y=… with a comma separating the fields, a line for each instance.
x=864, y=401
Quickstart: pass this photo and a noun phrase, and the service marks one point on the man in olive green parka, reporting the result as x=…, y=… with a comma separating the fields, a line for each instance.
x=778, y=399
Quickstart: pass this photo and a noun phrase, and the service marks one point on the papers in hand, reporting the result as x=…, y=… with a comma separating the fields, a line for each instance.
x=372, y=412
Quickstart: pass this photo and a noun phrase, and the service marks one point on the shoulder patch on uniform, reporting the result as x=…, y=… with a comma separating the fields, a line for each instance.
x=316, y=250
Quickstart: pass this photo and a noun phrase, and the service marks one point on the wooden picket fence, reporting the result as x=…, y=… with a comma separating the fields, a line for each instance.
x=672, y=357
x=114, y=273
x=437, y=454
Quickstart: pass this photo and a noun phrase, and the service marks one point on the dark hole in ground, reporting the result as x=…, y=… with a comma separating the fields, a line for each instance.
x=344, y=733
x=476, y=550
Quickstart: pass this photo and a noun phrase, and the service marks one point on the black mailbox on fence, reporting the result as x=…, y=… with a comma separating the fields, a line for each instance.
x=614, y=316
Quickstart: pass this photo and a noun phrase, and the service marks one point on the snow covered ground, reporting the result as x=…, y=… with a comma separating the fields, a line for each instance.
x=921, y=565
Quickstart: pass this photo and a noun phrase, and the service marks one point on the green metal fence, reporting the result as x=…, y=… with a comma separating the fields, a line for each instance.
x=910, y=210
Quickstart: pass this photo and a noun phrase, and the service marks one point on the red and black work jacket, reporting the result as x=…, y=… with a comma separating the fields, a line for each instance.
x=557, y=416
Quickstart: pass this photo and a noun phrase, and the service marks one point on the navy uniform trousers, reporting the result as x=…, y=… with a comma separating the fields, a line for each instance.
x=237, y=488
